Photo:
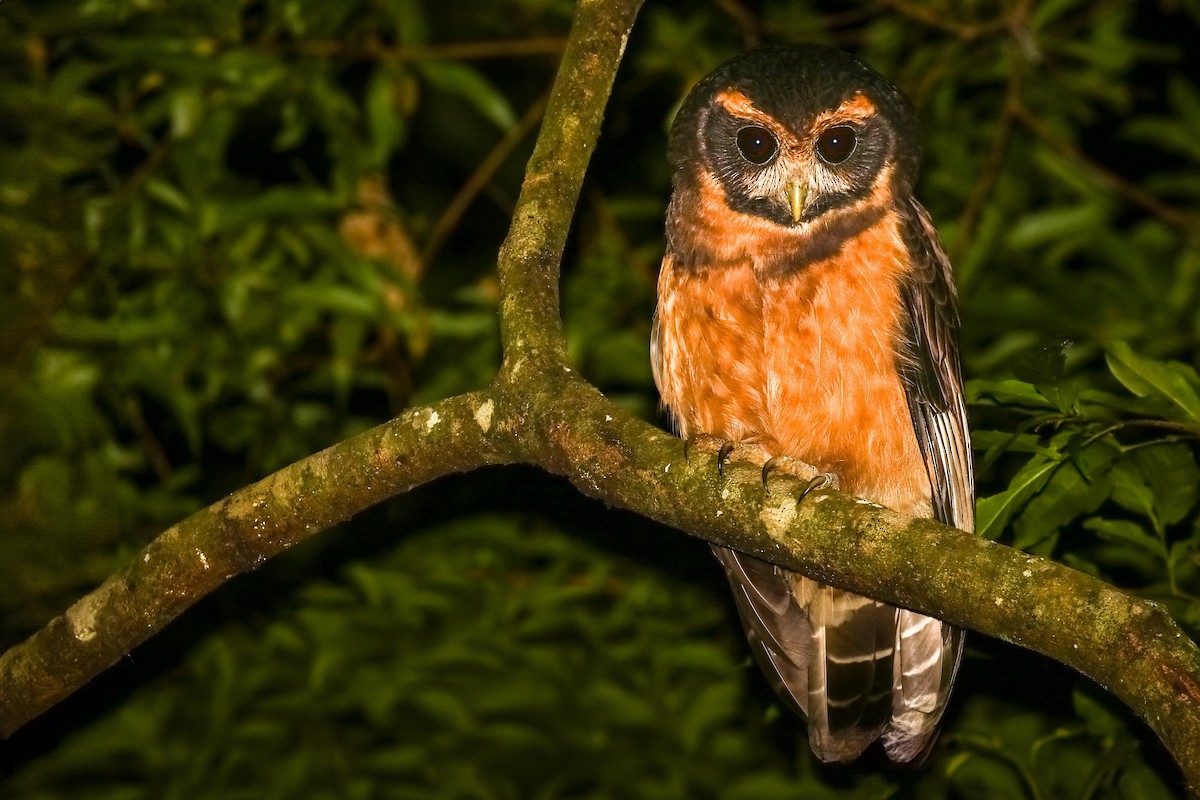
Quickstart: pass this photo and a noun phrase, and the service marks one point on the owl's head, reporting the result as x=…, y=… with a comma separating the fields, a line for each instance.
x=793, y=133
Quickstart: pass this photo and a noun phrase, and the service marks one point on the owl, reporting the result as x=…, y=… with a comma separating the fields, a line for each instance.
x=806, y=305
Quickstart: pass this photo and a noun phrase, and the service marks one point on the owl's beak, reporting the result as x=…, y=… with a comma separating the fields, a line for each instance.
x=797, y=194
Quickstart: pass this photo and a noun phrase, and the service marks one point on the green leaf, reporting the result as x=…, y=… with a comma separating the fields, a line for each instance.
x=1009, y=442
x=993, y=513
x=223, y=215
x=471, y=85
x=1007, y=392
x=1170, y=471
x=169, y=195
x=713, y=707
x=1078, y=488
x=1056, y=224
x=187, y=112
x=1146, y=377
x=385, y=115
x=1122, y=530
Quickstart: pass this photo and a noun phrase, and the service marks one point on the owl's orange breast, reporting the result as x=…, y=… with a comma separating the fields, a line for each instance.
x=802, y=361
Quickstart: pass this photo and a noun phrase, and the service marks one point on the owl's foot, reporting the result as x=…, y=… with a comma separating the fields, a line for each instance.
x=754, y=450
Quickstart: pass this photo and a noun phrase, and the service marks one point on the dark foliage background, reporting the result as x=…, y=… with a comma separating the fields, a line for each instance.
x=236, y=231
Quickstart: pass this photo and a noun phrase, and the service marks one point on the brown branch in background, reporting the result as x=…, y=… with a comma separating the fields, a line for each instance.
x=937, y=19
x=155, y=453
x=1014, y=21
x=744, y=18
x=989, y=175
x=449, y=219
x=933, y=18
x=457, y=51
x=830, y=26
x=1189, y=223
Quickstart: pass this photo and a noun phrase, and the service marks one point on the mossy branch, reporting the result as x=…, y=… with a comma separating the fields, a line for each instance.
x=539, y=412
x=235, y=535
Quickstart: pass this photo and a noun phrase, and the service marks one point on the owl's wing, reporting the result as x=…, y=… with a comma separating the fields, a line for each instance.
x=781, y=640
x=929, y=650
x=826, y=652
x=930, y=372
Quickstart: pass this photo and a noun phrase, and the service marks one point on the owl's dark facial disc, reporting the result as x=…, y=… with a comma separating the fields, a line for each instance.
x=794, y=133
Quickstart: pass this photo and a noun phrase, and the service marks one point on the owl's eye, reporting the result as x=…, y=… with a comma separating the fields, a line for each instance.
x=756, y=144
x=836, y=144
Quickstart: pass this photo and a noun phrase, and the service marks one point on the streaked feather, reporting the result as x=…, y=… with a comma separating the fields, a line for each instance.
x=930, y=649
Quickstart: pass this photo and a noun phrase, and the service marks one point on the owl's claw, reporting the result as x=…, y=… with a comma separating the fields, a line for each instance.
x=706, y=443
x=724, y=449
x=822, y=480
x=771, y=464
x=722, y=457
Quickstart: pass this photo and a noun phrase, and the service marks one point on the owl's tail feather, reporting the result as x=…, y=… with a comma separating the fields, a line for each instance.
x=929, y=654
x=781, y=640
x=858, y=669
x=850, y=670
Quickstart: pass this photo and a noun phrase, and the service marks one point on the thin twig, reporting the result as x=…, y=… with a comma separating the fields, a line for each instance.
x=156, y=454
x=1188, y=223
x=373, y=50
x=989, y=175
x=448, y=221
x=744, y=18
x=933, y=18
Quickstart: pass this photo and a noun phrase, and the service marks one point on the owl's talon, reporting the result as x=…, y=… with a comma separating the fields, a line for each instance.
x=722, y=457
x=771, y=464
x=822, y=480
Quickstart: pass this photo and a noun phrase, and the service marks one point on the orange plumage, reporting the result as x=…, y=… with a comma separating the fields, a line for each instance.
x=802, y=365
